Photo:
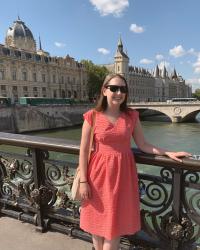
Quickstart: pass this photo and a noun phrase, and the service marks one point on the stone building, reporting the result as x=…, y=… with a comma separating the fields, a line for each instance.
x=146, y=86
x=28, y=71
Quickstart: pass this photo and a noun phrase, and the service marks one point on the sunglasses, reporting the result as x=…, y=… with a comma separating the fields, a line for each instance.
x=115, y=88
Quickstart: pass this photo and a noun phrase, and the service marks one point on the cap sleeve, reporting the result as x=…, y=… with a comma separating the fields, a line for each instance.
x=88, y=116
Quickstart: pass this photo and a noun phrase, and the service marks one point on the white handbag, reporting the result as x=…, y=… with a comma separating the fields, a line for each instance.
x=75, y=190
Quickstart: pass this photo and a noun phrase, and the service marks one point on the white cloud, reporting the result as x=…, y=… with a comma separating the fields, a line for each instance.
x=113, y=7
x=136, y=29
x=194, y=82
x=146, y=61
x=159, y=57
x=177, y=51
x=193, y=52
x=103, y=51
x=60, y=45
x=196, y=66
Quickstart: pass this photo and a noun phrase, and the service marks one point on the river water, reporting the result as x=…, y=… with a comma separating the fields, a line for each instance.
x=172, y=136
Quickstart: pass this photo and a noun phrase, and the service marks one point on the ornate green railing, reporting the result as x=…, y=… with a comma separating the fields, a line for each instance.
x=36, y=174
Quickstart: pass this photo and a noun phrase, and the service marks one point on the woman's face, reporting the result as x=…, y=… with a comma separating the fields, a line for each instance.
x=115, y=91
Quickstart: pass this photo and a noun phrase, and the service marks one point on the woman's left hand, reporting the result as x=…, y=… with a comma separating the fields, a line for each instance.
x=175, y=155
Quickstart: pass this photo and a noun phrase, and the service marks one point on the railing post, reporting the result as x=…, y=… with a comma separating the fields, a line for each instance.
x=177, y=207
x=38, y=175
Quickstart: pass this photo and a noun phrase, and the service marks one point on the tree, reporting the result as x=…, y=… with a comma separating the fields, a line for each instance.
x=96, y=75
x=196, y=94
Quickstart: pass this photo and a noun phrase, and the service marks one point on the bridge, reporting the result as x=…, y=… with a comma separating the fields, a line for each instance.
x=177, y=112
x=35, y=186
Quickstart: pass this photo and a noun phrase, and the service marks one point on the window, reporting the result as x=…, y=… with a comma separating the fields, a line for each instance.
x=25, y=88
x=34, y=77
x=43, y=89
x=34, y=88
x=24, y=76
x=14, y=75
x=54, y=78
x=62, y=79
x=2, y=75
x=43, y=77
x=54, y=94
x=3, y=87
x=69, y=93
x=63, y=93
x=14, y=88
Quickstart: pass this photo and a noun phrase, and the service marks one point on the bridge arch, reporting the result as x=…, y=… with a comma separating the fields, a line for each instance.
x=177, y=112
x=154, y=109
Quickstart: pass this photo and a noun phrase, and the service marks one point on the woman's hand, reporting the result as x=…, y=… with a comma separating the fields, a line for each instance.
x=85, y=191
x=175, y=155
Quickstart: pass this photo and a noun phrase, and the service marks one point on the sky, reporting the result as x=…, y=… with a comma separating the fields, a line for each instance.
x=153, y=32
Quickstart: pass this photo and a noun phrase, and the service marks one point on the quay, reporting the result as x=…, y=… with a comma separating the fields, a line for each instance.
x=15, y=235
x=35, y=189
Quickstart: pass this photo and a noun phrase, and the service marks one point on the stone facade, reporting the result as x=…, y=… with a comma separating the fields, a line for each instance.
x=147, y=86
x=26, y=71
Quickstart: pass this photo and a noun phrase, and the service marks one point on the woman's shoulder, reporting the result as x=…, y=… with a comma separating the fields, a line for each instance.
x=89, y=116
x=132, y=112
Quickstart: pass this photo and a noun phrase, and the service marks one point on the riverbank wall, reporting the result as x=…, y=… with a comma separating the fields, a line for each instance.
x=19, y=119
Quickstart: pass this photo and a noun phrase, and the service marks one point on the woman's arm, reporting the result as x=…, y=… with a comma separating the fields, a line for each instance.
x=151, y=149
x=83, y=160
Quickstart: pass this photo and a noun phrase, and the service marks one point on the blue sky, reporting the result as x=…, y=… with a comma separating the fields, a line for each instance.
x=153, y=31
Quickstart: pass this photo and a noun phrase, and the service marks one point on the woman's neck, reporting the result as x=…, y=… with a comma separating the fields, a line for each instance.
x=113, y=110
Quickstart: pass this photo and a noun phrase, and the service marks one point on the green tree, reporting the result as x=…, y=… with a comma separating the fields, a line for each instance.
x=196, y=94
x=96, y=75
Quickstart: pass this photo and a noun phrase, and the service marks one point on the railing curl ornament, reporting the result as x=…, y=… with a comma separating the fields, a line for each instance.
x=191, y=176
x=166, y=174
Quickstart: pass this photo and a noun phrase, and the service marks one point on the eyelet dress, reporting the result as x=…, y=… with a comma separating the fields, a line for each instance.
x=113, y=210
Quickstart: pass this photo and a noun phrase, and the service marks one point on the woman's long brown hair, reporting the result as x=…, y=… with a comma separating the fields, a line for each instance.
x=102, y=101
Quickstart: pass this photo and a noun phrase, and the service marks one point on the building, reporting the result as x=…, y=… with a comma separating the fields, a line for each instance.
x=146, y=86
x=28, y=71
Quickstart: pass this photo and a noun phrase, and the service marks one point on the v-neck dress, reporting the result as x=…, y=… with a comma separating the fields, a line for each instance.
x=113, y=210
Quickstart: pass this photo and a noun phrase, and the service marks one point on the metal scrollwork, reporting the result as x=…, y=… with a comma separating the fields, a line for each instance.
x=156, y=195
x=166, y=174
x=192, y=176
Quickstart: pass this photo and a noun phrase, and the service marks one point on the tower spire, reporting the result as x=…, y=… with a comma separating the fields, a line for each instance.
x=40, y=44
x=120, y=44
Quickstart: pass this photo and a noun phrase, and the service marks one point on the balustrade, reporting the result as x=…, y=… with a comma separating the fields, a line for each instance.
x=35, y=186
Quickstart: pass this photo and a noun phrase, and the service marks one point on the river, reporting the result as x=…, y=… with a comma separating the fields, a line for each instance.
x=173, y=136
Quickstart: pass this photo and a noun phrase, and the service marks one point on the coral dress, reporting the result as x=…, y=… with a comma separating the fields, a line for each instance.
x=113, y=209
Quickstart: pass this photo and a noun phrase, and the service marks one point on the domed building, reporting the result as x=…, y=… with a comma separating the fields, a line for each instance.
x=19, y=36
x=26, y=70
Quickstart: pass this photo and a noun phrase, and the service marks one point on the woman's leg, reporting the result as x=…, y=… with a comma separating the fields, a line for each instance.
x=111, y=244
x=97, y=242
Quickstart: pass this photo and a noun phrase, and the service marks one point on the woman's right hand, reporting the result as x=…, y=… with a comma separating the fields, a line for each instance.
x=85, y=191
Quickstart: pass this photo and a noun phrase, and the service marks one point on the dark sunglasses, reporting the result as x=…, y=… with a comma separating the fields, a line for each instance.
x=115, y=88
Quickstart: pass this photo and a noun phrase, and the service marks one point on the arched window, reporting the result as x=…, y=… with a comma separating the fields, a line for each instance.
x=69, y=93
x=63, y=94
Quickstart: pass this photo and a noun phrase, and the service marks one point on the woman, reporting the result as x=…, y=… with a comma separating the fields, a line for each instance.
x=109, y=183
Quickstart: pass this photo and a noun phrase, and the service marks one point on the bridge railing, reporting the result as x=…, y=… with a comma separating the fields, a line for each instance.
x=35, y=178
